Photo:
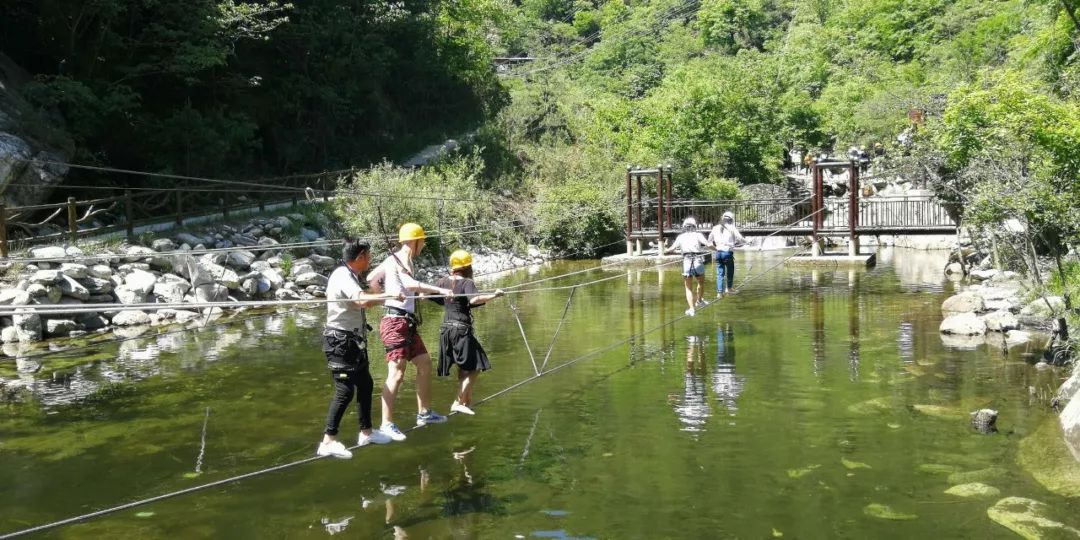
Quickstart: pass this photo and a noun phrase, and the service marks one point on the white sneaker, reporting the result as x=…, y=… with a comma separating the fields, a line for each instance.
x=690, y=312
x=333, y=448
x=377, y=437
x=700, y=303
x=463, y=409
x=392, y=431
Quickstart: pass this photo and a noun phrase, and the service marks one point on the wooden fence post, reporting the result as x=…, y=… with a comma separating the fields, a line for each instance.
x=179, y=208
x=3, y=231
x=224, y=205
x=73, y=215
x=128, y=217
x=629, y=214
x=262, y=205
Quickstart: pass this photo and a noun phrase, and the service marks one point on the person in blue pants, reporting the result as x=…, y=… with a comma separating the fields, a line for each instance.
x=724, y=238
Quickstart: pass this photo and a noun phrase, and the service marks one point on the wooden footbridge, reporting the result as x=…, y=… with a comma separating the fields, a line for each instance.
x=649, y=202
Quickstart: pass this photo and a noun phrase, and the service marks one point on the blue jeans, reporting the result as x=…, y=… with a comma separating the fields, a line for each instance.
x=725, y=267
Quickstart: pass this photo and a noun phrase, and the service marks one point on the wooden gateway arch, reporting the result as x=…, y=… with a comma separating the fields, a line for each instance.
x=659, y=216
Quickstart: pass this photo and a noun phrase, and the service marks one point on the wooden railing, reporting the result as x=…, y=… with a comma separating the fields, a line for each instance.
x=19, y=226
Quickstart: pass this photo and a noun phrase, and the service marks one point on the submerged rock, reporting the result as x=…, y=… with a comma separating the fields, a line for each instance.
x=989, y=473
x=973, y=489
x=984, y=420
x=938, y=411
x=1045, y=456
x=1029, y=519
x=870, y=406
x=938, y=468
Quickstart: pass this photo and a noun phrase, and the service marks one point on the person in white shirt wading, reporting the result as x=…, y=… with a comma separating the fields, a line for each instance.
x=399, y=330
x=694, y=248
x=345, y=346
x=725, y=238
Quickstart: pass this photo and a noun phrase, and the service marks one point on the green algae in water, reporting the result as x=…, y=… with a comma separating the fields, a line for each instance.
x=144, y=515
x=939, y=411
x=799, y=473
x=989, y=473
x=938, y=468
x=870, y=406
x=1044, y=455
x=849, y=464
x=973, y=489
x=1028, y=518
x=882, y=511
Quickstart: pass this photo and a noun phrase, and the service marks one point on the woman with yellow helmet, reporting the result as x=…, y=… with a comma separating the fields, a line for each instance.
x=457, y=344
x=399, y=332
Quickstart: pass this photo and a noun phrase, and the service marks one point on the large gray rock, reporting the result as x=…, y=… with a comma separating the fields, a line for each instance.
x=309, y=279
x=101, y=271
x=211, y=292
x=240, y=259
x=28, y=326
x=1001, y=321
x=74, y=270
x=965, y=302
x=1029, y=518
x=15, y=297
x=138, y=254
x=163, y=244
x=983, y=275
x=171, y=292
x=140, y=281
x=131, y=318
x=73, y=288
x=92, y=321
x=322, y=262
x=185, y=238
x=300, y=268
x=126, y=295
x=274, y=277
x=60, y=327
x=48, y=252
x=286, y=294
x=46, y=277
x=97, y=286
x=308, y=235
x=963, y=324
x=9, y=334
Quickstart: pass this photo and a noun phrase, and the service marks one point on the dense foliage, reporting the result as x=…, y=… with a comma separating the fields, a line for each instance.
x=227, y=87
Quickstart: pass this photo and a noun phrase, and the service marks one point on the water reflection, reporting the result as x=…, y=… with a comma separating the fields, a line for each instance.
x=693, y=408
x=726, y=384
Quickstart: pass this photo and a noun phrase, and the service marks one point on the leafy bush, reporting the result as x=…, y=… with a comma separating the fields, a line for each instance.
x=724, y=189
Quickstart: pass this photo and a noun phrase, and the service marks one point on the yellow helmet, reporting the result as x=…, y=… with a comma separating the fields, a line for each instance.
x=460, y=259
x=410, y=231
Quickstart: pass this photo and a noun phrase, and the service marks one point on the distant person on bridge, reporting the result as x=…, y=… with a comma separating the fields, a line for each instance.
x=694, y=248
x=399, y=330
x=724, y=237
x=457, y=344
x=345, y=347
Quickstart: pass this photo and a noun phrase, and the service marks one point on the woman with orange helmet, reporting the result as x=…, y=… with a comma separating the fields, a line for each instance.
x=457, y=344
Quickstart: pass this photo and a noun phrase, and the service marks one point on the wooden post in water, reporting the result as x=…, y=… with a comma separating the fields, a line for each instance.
x=129, y=215
x=629, y=214
x=3, y=231
x=640, y=220
x=73, y=216
x=853, y=208
x=816, y=202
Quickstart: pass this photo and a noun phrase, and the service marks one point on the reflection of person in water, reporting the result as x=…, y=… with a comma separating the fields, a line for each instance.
x=693, y=408
x=726, y=383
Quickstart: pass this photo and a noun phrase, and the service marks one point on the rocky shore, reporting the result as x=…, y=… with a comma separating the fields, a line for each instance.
x=259, y=260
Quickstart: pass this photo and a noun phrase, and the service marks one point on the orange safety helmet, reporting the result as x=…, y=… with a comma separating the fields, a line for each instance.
x=460, y=259
x=410, y=231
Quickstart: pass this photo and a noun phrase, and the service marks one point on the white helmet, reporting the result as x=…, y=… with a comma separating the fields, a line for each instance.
x=728, y=216
x=689, y=224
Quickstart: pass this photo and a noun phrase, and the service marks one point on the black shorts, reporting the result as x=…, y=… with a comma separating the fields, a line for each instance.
x=458, y=346
x=344, y=351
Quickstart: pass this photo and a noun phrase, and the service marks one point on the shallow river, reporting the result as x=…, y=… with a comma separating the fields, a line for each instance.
x=814, y=404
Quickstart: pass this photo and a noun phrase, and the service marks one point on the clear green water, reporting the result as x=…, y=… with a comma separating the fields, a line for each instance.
x=787, y=409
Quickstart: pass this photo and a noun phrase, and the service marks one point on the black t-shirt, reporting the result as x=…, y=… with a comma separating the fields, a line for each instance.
x=458, y=308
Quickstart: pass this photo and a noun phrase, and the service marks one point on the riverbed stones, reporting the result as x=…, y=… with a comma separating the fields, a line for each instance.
x=1029, y=518
x=9, y=334
x=188, y=238
x=97, y=286
x=171, y=291
x=46, y=277
x=16, y=297
x=322, y=262
x=92, y=321
x=141, y=281
x=882, y=511
x=72, y=288
x=240, y=259
x=1051, y=306
x=963, y=324
x=101, y=271
x=286, y=294
x=127, y=295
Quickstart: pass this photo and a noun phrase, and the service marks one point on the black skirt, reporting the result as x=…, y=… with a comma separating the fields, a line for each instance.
x=458, y=346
